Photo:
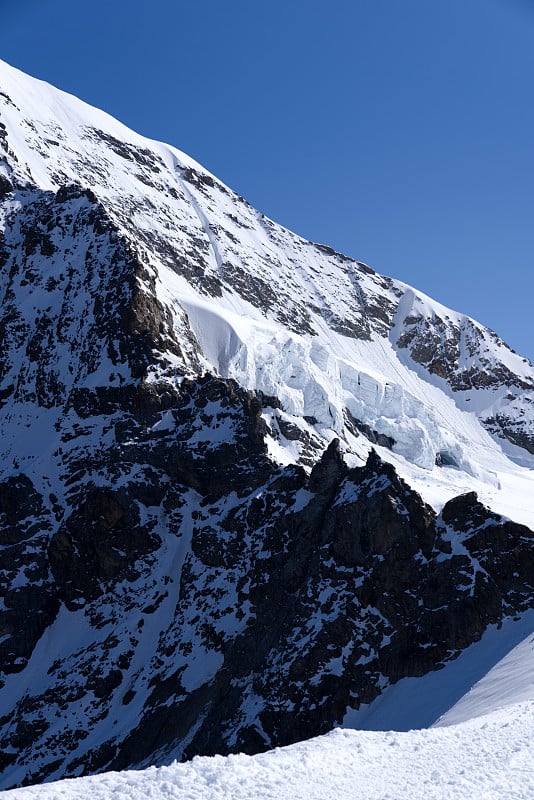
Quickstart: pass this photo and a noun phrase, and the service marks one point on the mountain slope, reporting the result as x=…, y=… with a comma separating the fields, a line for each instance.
x=201, y=550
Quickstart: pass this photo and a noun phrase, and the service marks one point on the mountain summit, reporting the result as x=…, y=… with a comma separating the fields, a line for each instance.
x=246, y=482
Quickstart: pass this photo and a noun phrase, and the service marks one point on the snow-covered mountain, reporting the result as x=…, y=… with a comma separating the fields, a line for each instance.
x=246, y=483
x=235, y=293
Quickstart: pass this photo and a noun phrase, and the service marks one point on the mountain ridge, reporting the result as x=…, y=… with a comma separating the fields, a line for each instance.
x=246, y=482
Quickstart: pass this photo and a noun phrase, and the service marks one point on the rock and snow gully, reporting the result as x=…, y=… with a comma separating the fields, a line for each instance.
x=247, y=484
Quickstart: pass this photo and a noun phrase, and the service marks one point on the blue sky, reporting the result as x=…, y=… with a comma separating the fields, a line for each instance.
x=400, y=133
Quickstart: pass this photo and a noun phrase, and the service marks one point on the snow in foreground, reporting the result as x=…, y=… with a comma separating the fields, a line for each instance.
x=487, y=757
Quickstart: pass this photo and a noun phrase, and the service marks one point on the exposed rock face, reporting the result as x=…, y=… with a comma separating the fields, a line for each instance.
x=100, y=542
x=459, y=351
x=76, y=299
x=272, y=601
x=30, y=599
x=189, y=563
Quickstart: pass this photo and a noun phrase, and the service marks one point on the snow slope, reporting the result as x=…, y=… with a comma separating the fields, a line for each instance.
x=509, y=682
x=489, y=757
x=496, y=671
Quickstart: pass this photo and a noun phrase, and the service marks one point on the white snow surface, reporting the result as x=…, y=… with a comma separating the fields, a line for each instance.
x=511, y=681
x=486, y=758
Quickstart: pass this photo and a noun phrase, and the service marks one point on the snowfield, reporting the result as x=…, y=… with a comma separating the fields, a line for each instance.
x=488, y=758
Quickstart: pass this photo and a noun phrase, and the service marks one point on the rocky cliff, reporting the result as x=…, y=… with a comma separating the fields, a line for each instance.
x=246, y=483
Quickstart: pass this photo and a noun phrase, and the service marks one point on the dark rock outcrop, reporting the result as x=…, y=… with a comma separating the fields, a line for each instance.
x=30, y=598
x=98, y=544
x=233, y=603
